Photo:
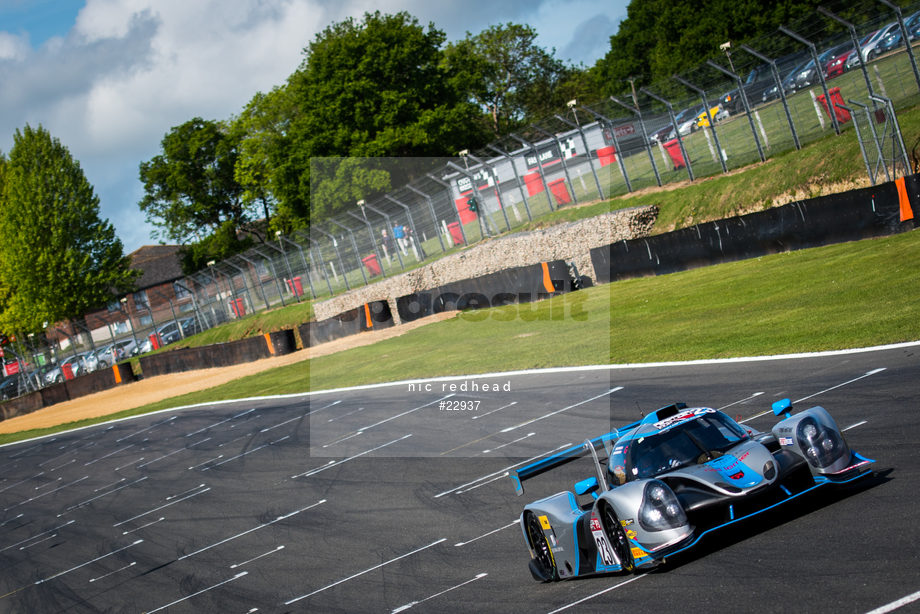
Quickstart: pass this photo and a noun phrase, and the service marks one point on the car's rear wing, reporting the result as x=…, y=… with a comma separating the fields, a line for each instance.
x=566, y=456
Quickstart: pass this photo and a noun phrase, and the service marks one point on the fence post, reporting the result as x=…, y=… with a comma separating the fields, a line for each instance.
x=779, y=90
x=536, y=153
x=453, y=206
x=335, y=246
x=648, y=145
x=434, y=216
x=680, y=139
x=905, y=38
x=818, y=71
x=498, y=188
x=565, y=166
x=709, y=119
x=517, y=178
x=616, y=146
x=745, y=103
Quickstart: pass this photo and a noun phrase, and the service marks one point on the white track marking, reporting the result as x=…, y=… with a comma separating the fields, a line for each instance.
x=206, y=462
x=559, y=411
x=606, y=590
x=361, y=573
x=39, y=535
x=853, y=426
x=753, y=396
x=258, y=557
x=88, y=562
x=185, y=492
x=405, y=413
x=161, y=507
x=281, y=424
x=221, y=422
x=131, y=463
x=270, y=443
x=111, y=454
x=152, y=426
x=343, y=415
x=894, y=605
x=313, y=411
x=173, y=452
x=10, y=520
x=114, y=572
x=39, y=541
x=487, y=534
x=510, y=442
x=22, y=482
x=51, y=483
x=73, y=507
x=409, y=605
x=45, y=493
x=856, y=379
x=486, y=477
x=345, y=460
x=109, y=485
x=495, y=410
x=504, y=475
x=237, y=439
x=73, y=460
x=239, y=575
x=161, y=519
x=261, y=526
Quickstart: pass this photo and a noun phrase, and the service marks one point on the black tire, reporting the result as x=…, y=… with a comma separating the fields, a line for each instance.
x=617, y=538
x=540, y=546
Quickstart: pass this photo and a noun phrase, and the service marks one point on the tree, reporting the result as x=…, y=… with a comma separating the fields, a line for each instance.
x=511, y=77
x=376, y=88
x=191, y=192
x=662, y=37
x=57, y=258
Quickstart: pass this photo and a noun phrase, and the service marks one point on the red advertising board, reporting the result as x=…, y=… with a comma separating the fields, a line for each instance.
x=11, y=368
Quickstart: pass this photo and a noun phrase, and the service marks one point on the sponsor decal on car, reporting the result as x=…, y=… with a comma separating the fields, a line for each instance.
x=683, y=416
x=785, y=441
x=631, y=534
x=638, y=553
x=627, y=522
x=544, y=522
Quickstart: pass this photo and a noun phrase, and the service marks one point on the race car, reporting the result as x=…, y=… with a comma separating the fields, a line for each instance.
x=671, y=478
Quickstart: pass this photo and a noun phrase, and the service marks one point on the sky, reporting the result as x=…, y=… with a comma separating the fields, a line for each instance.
x=110, y=78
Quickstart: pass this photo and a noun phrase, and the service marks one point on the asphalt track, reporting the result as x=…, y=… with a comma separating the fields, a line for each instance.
x=376, y=500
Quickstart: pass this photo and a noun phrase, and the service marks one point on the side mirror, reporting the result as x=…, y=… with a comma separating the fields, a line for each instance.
x=587, y=486
x=782, y=407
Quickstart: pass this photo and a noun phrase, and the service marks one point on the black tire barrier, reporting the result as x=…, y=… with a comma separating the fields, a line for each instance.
x=850, y=216
x=375, y=315
x=219, y=355
x=97, y=381
x=516, y=285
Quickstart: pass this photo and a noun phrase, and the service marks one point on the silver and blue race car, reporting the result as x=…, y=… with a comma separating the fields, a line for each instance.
x=671, y=478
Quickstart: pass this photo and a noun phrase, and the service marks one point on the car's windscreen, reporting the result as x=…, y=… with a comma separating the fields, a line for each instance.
x=686, y=443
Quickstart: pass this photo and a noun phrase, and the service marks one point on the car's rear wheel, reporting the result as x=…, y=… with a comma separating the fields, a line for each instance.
x=540, y=546
x=616, y=535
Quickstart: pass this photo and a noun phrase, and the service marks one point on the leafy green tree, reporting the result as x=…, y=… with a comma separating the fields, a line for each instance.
x=662, y=37
x=57, y=258
x=191, y=192
x=375, y=88
x=512, y=78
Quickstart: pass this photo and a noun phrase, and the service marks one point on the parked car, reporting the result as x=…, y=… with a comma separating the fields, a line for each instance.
x=169, y=333
x=121, y=349
x=788, y=83
x=809, y=75
x=868, y=46
x=895, y=40
x=9, y=388
x=56, y=375
x=89, y=361
x=686, y=120
x=717, y=113
x=758, y=81
x=662, y=135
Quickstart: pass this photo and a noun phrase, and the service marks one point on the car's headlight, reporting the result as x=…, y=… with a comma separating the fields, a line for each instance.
x=820, y=446
x=660, y=509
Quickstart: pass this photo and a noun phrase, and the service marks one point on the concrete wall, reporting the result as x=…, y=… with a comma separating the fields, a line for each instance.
x=568, y=242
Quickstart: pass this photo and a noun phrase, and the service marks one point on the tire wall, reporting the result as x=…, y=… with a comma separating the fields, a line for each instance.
x=837, y=218
x=517, y=285
x=375, y=315
x=219, y=354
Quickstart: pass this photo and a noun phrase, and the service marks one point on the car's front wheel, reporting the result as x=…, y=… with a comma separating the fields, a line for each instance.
x=616, y=535
x=539, y=545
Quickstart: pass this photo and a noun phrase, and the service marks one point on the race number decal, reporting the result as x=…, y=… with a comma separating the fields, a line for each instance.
x=604, y=551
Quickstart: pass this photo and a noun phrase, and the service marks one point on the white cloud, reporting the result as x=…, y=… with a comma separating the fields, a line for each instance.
x=13, y=47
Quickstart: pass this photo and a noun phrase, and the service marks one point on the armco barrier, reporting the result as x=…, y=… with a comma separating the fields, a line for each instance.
x=515, y=285
x=370, y=316
x=850, y=216
x=219, y=354
x=97, y=381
